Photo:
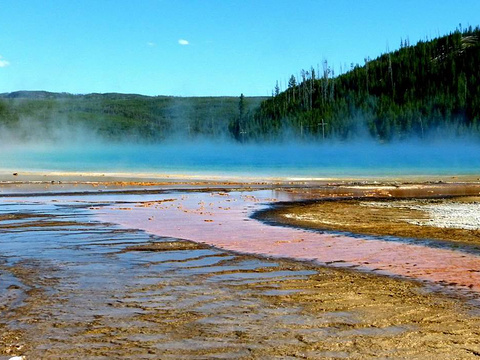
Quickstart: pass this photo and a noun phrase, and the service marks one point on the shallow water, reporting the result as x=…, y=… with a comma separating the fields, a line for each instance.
x=87, y=275
x=72, y=286
x=223, y=220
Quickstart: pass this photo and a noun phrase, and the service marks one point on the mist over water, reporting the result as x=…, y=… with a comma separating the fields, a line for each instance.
x=50, y=141
x=223, y=158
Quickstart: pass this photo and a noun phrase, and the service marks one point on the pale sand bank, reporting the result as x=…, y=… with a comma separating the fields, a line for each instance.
x=20, y=175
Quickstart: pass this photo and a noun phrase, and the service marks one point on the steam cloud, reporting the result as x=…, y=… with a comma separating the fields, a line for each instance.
x=57, y=144
x=230, y=159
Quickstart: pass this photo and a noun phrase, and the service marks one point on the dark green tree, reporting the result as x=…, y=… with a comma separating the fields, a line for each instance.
x=413, y=91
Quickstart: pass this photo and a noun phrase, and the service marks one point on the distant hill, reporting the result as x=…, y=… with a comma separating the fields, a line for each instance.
x=31, y=114
x=35, y=95
x=417, y=90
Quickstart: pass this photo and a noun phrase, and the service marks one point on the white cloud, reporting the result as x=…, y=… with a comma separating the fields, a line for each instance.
x=3, y=63
x=183, y=42
x=151, y=44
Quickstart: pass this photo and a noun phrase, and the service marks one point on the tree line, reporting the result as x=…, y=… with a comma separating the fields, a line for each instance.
x=119, y=117
x=416, y=90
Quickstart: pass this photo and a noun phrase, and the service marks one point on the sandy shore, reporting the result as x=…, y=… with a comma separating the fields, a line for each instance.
x=121, y=293
x=161, y=179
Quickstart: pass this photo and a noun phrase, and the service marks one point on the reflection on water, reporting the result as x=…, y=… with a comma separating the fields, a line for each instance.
x=218, y=219
x=73, y=287
x=95, y=288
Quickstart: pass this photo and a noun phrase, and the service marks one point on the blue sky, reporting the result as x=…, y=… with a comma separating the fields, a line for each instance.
x=203, y=47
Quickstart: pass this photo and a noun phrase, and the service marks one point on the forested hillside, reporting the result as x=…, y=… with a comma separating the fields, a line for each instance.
x=34, y=114
x=420, y=90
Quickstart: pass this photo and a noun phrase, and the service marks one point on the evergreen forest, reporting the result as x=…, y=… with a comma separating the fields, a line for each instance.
x=418, y=90
x=117, y=117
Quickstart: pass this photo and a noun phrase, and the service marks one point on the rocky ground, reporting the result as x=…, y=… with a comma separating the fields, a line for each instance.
x=72, y=287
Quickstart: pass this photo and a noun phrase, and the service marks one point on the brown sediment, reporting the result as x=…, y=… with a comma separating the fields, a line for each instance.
x=228, y=309
x=376, y=218
x=330, y=313
x=167, y=246
x=384, y=190
x=17, y=216
x=39, y=182
x=22, y=303
x=39, y=224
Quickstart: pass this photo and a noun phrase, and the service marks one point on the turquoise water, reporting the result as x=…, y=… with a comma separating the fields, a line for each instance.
x=227, y=159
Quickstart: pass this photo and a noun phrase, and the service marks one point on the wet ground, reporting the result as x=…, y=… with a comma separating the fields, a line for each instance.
x=230, y=220
x=75, y=286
